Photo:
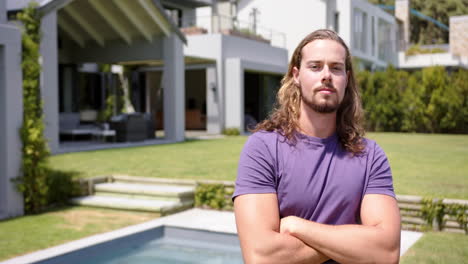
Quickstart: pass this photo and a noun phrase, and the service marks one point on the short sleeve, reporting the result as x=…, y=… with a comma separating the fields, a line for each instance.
x=380, y=174
x=256, y=170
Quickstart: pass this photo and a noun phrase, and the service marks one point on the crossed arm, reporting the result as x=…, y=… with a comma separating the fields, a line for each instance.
x=265, y=238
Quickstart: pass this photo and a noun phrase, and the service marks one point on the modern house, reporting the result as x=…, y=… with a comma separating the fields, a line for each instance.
x=376, y=38
x=228, y=73
x=452, y=55
x=75, y=33
x=369, y=31
x=219, y=74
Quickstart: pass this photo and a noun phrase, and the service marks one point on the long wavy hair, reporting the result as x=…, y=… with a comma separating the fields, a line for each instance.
x=285, y=117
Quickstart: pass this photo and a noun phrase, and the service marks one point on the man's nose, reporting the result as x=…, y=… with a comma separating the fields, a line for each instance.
x=326, y=74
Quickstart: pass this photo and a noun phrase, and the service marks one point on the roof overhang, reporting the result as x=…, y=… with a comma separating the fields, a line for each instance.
x=101, y=21
x=189, y=3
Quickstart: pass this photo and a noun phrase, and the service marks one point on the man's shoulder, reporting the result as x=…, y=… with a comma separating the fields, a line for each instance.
x=372, y=147
x=267, y=137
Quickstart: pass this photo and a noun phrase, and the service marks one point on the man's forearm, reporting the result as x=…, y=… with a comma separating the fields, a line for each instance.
x=347, y=243
x=282, y=248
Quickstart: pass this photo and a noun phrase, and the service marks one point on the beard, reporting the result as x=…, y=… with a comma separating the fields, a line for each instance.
x=330, y=105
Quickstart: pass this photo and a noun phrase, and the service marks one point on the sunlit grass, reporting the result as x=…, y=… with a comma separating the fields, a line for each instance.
x=422, y=164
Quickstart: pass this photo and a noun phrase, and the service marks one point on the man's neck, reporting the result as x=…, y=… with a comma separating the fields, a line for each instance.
x=316, y=124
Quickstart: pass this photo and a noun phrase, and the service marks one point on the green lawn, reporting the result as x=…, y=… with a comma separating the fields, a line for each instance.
x=422, y=164
x=34, y=232
x=200, y=159
x=427, y=165
x=438, y=248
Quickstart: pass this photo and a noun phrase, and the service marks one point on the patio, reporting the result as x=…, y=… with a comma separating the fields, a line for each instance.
x=92, y=144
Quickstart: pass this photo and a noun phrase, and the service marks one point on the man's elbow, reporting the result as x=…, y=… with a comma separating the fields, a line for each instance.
x=257, y=255
x=260, y=254
x=393, y=256
x=389, y=256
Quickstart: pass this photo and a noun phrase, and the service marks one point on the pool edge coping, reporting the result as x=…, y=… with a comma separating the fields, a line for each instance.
x=175, y=220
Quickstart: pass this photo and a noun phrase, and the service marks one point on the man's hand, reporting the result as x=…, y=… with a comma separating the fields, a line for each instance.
x=289, y=225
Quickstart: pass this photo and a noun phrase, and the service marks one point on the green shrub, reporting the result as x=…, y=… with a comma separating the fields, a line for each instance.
x=61, y=186
x=431, y=100
x=417, y=49
x=233, y=131
x=215, y=196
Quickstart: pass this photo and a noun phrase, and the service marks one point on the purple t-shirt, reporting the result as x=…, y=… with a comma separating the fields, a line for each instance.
x=315, y=179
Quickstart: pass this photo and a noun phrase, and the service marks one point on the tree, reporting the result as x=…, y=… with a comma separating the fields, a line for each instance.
x=426, y=32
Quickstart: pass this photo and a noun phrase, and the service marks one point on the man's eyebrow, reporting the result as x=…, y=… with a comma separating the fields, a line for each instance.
x=320, y=61
x=313, y=61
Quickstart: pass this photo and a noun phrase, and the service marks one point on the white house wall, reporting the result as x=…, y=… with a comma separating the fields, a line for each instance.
x=213, y=107
x=174, y=89
x=233, y=55
x=11, y=116
x=234, y=94
x=49, y=78
x=209, y=46
x=346, y=9
x=295, y=18
x=255, y=51
x=343, y=7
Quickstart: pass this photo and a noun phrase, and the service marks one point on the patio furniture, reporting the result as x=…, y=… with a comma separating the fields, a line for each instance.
x=129, y=127
x=103, y=134
x=69, y=125
x=150, y=126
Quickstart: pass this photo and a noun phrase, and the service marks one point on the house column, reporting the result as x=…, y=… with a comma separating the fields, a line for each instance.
x=234, y=81
x=11, y=117
x=49, y=78
x=213, y=111
x=174, y=89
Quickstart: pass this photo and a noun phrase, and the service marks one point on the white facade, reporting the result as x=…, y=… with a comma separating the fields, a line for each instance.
x=11, y=116
x=233, y=56
x=427, y=60
x=295, y=18
x=370, y=32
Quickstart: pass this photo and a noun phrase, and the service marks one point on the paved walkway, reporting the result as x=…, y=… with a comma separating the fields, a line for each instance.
x=91, y=145
x=209, y=220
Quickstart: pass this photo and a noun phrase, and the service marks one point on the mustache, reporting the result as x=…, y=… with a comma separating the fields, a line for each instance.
x=328, y=86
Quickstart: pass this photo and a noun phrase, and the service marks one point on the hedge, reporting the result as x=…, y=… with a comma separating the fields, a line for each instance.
x=431, y=100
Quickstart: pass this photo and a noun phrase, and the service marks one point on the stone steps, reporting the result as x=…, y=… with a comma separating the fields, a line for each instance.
x=162, y=196
x=150, y=190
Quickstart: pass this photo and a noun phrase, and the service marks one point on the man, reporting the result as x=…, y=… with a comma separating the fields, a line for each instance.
x=310, y=188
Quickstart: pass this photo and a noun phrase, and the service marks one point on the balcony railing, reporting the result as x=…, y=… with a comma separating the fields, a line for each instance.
x=232, y=26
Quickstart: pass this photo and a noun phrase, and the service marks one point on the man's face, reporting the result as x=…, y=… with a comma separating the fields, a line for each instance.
x=322, y=76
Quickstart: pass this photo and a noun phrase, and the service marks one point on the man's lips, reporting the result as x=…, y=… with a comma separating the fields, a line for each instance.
x=326, y=90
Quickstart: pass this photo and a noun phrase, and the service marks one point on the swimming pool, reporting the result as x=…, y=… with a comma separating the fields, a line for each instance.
x=191, y=236
x=185, y=234
x=164, y=245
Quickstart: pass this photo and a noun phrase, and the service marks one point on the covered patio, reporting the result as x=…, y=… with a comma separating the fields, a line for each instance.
x=82, y=36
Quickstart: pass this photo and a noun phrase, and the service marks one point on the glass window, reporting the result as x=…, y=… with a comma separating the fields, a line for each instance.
x=336, y=22
x=359, y=30
x=384, y=40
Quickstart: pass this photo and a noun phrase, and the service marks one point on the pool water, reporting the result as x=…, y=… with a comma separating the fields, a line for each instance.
x=165, y=245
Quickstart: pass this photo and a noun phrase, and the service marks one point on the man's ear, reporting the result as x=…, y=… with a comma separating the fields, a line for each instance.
x=295, y=73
